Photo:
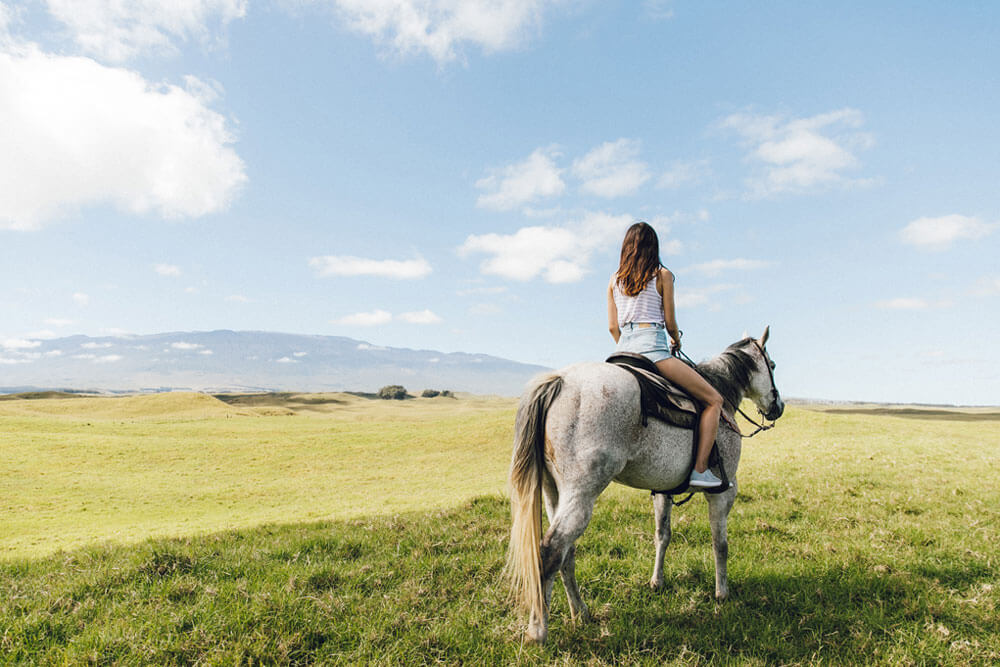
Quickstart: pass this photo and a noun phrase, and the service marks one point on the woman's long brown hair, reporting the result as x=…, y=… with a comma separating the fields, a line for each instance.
x=640, y=258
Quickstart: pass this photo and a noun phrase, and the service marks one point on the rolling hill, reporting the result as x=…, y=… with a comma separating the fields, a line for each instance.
x=226, y=361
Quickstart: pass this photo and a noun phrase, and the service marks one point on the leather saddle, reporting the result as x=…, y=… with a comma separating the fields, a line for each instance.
x=658, y=398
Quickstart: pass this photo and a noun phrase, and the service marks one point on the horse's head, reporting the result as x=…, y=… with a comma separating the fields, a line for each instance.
x=762, y=390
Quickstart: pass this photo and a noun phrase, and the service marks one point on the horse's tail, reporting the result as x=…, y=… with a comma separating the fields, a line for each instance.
x=526, y=468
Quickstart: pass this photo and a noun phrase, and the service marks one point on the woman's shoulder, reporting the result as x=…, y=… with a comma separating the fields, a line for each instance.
x=665, y=275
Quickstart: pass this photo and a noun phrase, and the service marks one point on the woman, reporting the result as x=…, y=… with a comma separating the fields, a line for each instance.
x=640, y=307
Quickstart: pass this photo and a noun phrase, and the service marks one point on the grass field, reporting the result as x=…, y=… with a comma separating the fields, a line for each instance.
x=858, y=537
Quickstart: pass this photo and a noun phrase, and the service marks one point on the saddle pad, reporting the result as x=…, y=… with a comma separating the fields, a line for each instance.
x=658, y=397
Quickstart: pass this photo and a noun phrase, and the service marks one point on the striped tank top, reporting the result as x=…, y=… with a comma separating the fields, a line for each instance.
x=646, y=306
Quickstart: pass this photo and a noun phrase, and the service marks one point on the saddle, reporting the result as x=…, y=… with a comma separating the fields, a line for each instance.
x=660, y=399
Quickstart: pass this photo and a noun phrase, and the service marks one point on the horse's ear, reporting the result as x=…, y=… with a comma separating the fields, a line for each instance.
x=767, y=332
x=746, y=334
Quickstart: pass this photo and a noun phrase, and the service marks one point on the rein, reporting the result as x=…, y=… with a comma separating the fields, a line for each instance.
x=774, y=392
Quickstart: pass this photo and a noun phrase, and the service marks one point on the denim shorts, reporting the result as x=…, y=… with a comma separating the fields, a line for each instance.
x=650, y=342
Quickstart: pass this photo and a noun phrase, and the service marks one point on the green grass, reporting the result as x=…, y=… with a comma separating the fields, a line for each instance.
x=856, y=539
x=83, y=470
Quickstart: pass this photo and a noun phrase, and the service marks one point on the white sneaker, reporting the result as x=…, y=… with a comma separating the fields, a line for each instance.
x=703, y=480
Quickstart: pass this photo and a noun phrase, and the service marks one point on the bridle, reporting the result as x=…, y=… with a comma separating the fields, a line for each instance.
x=774, y=390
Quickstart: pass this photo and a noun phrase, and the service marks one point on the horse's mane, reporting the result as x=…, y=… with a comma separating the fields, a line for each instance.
x=730, y=372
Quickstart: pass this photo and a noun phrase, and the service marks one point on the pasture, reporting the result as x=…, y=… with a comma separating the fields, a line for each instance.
x=301, y=528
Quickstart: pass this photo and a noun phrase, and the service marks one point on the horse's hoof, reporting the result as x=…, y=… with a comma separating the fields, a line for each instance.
x=536, y=634
x=720, y=596
x=656, y=584
x=582, y=616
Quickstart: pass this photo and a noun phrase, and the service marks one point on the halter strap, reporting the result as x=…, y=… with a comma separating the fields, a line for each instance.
x=774, y=392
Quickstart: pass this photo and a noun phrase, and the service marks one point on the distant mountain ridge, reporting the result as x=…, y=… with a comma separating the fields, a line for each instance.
x=222, y=361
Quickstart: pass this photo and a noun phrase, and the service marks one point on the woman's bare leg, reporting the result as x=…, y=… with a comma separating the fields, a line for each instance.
x=690, y=381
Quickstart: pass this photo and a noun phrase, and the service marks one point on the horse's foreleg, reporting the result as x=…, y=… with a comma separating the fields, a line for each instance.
x=661, y=514
x=719, y=505
x=571, y=519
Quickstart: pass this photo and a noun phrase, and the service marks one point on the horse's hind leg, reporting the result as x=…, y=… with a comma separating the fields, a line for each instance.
x=661, y=512
x=577, y=609
x=569, y=521
x=719, y=505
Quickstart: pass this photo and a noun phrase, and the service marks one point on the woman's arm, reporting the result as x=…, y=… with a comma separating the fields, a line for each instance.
x=665, y=286
x=613, y=312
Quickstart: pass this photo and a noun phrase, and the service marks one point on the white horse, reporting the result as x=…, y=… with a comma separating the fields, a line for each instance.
x=579, y=429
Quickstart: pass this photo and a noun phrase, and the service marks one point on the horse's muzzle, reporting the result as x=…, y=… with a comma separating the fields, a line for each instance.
x=776, y=410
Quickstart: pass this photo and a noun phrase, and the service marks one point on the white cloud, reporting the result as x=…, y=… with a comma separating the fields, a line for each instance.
x=286, y=360
x=612, y=169
x=54, y=353
x=300, y=354
x=987, y=286
x=85, y=356
x=440, y=27
x=167, y=270
x=939, y=233
x=19, y=344
x=697, y=296
x=516, y=184
x=680, y=174
x=81, y=299
x=369, y=319
x=717, y=266
x=116, y=31
x=76, y=133
x=420, y=317
x=108, y=359
x=557, y=254
x=345, y=265
x=481, y=290
x=366, y=346
x=58, y=322
x=206, y=352
x=186, y=346
x=912, y=303
x=800, y=154
x=903, y=303
x=659, y=10
x=95, y=346
x=237, y=298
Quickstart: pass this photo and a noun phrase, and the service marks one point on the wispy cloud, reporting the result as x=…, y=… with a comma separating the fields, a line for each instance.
x=612, y=169
x=366, y=319
x=186, y=346
x=81, y=299
x=800, y=154
x=345, y=265
x=58, y=322
x=420, y=317
x=167, y=269
x=557, y=254
x=19, y=344
x=116, y=31
x=717, y=266
x=940, y=233
x=440, y=28
x=516, y=184
x=987, y=286
x=912, y=303
x=238, y=298
x=680, y=174
x=688, y=297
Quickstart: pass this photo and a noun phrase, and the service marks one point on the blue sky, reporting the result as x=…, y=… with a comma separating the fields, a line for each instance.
x=458, y=176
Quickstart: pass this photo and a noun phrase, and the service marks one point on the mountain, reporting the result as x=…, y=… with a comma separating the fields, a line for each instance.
x=220, y=361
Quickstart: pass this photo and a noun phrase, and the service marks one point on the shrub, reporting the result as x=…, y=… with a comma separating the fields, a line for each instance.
x=447, y=393
x=430, y=393
x=392, y=392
